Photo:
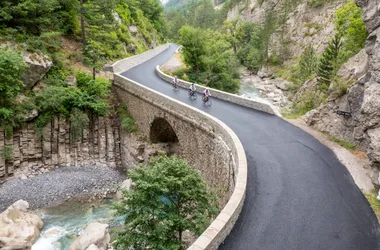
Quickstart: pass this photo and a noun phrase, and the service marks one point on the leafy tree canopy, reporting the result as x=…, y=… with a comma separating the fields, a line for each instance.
x=168, y=198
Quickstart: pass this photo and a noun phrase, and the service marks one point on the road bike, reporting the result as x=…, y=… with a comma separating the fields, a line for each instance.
x=207, y=101
x=192, y=95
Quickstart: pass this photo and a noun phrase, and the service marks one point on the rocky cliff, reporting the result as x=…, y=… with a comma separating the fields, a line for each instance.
x=362, y=99
x=297, y=24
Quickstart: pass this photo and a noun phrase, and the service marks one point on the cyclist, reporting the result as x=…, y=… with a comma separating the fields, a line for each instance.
x=192, y=89
x=206, y=94
x=175, y=82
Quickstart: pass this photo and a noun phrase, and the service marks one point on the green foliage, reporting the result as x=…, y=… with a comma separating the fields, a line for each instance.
x=210, y=57
x=350, y=26
x=374, y=202
x=308, y=63
x=36, y=17
x=308, y=101
x=347, y=145
x=316, y=3
x=90, y=96
x=328, y=64
x=7, y=153
x=168, y=198
x=249, y=40
x=12, y=68
x=78, y=121
x=127, y=122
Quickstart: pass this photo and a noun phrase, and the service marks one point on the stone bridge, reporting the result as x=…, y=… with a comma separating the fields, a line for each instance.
x=204, y=141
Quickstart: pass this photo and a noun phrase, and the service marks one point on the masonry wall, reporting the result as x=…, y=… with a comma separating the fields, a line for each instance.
x=199, y=144
x=33, y=152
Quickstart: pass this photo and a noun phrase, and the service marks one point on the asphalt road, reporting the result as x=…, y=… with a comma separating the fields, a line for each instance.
x=299, y=196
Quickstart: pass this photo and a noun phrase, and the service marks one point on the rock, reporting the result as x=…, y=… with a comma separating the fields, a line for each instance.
x=264, y=73
x=281, y=84
x=355, y=67
x=53, y=231
x=140, y=159
x=18, y=229
x=95, y=234
x=71, y=81
x=20, y=205
x=117, y=17
x=23, y=177
x=133, y=29
x=32, y=114
x=92, y=247
x=309, y=85
x=126, y=185
x=38, y=66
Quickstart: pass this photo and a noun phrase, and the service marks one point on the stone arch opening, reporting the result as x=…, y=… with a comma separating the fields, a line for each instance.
x=162, y=132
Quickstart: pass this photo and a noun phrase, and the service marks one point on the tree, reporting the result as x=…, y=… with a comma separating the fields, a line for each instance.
x=94, y=56
x=328, y=63
x=193, y=42
x=168, y=198
x=230, y=27
x=308, y=62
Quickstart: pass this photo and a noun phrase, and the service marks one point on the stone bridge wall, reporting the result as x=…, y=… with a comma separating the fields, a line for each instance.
x=205, y=142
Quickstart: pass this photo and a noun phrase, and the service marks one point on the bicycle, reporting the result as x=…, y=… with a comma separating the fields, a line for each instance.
x=192, y=95
x=175, y=87
x=207, y=101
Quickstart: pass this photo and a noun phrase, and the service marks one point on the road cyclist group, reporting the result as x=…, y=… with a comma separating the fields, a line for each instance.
x=192, y=92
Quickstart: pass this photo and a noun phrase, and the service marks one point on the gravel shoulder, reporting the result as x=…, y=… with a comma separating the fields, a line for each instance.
x=357, y=165
x=60, y=185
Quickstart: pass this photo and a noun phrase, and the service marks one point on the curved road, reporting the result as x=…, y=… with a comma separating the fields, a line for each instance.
x=299, y=196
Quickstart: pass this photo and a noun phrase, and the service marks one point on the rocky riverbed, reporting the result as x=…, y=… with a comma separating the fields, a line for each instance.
x=60, y=185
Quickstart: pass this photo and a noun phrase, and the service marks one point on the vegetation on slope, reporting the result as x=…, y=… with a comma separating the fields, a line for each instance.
x=70, y=32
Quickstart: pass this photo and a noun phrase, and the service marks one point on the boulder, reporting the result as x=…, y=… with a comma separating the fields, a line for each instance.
x=355, y=67
x=92, y=247
x=95, y=234
x=18, y=229
x=71, y=81
x=38, y=66
x=32, y=114
x=133, y=29
x=126, y=185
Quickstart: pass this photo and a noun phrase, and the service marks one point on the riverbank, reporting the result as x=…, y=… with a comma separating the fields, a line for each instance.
x=61, y=184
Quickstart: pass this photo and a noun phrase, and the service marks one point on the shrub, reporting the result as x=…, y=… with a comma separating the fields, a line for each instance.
x=127, y=122
x=168, y=198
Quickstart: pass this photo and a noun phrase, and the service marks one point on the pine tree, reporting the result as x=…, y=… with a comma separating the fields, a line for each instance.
x=328, y=62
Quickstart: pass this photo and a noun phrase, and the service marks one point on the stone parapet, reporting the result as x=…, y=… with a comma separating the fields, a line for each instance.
x=133, y=61
x=253, y=104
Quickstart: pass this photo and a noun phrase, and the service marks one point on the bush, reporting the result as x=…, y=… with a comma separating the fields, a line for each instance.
x=168, y=198
x=308, y=101
x=127, y=122
x=78, y=121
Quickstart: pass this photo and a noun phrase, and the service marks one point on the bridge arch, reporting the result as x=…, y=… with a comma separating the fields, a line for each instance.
x=162, y=131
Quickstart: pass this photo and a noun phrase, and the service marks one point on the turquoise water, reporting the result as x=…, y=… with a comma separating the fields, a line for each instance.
x=63, y=223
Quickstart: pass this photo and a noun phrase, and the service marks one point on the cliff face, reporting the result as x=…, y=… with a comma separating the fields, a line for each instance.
x=362, y=99
x=30, y=152
x=299, y=24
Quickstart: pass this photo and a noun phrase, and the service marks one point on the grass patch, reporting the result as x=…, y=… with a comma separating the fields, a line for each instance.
x=375, y=204
x=347, y=145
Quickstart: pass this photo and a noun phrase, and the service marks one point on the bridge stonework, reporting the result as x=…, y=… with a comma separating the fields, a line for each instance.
x=198, y=143
x=205, y=142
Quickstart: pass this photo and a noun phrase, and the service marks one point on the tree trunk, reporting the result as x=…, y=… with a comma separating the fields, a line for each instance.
x=93, y=73
x=84, y=41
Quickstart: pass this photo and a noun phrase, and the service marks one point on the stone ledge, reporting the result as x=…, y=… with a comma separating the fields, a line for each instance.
x=242, y=101
x=133, y=61
x=219, y=229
